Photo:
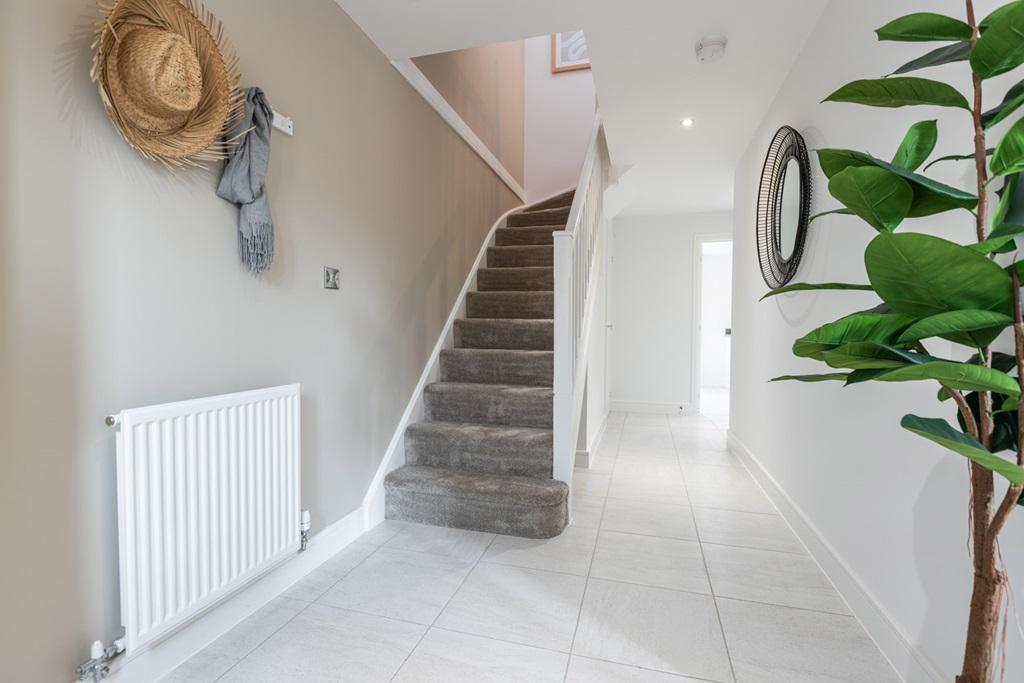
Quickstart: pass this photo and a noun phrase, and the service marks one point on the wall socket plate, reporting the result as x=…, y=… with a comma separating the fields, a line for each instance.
x=332, y=278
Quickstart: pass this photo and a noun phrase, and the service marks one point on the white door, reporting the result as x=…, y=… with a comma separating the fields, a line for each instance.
x=715, y=327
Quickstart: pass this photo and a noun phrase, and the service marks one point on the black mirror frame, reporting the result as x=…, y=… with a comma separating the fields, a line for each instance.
x=787, y=144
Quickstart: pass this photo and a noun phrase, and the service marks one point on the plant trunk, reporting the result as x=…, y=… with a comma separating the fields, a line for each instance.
x=983, y=626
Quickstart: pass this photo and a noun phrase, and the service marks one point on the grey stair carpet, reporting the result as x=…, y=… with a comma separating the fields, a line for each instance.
x=481, y=459
x=519, y=256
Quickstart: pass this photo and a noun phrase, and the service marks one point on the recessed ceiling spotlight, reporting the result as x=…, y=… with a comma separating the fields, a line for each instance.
x=710, y=48
x=687, y=122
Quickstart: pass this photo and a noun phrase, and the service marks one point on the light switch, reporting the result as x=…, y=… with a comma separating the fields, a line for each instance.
x=332, y=278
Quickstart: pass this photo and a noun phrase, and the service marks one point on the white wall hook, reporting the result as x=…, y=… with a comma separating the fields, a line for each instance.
x=284, y=124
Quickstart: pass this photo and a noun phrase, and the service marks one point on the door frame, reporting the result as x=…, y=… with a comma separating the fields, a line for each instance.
x=699, y=240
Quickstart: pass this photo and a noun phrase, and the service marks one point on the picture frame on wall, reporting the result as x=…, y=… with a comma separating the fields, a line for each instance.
x=569, y=52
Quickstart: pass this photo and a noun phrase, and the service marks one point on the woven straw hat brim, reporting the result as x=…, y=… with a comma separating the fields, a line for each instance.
x=176, y=137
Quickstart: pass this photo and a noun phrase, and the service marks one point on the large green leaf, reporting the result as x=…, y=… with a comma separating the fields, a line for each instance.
x=1002, y=240
x=902, y=91
x=876, y=195
x=942, y=433
x=1000, y=48
x=828, y=377
x=922, y=275
x=1008, y=201
x=917, y=145
x=807, y=287
x=858, y=327
x=1009, y=156
x=956, y=375
x=924, y=26
x=930, y=197
x=871, y=356
x=1011, y=101
x=995, y=15
x=1004, y=423
x=947, y=54
x=971, y=327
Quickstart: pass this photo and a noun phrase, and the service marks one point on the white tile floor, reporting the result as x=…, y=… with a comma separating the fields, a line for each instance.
x=676, y=569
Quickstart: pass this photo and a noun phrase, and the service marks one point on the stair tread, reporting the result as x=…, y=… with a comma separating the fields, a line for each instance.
x=525, y=270
x=521, y=255
x=499, y=490
x=559, y=201
x=487, y=366
x=516, y=279
x=549, y=216
x=482, y=431
x=495, y=353
x=522, y=389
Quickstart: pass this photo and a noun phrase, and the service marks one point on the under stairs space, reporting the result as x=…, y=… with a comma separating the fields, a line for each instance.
x=481, y=459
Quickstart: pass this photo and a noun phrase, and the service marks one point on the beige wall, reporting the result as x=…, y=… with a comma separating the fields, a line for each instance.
x=485, y=86
x=120, y=286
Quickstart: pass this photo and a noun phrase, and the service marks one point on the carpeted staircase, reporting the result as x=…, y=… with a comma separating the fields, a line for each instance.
x=481, y=458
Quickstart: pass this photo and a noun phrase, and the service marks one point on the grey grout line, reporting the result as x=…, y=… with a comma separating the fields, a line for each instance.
x=443, y=608
x=480, y=558
x=646, y=668
x=586, y=584
x=296, y=615
x=711, y=584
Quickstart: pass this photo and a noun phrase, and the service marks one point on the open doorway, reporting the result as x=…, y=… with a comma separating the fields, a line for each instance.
x=714, y=329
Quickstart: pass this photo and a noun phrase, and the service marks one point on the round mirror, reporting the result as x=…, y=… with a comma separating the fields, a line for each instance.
x=789, y=213
x=783, y=205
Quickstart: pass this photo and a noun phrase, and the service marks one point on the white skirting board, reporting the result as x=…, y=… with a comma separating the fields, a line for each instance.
x=651, y=407
x=165, y=656
x=913, y=665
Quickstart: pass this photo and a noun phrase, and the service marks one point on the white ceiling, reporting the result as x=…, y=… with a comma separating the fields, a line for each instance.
x=645, y=71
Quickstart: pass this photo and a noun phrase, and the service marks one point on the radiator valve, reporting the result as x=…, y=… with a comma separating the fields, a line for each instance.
x=98, y=666
x=304, y=530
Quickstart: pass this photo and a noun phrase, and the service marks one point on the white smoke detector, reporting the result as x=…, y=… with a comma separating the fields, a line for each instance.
x=710, y=49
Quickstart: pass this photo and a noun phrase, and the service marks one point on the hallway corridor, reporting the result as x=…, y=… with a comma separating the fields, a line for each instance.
x=676, y=569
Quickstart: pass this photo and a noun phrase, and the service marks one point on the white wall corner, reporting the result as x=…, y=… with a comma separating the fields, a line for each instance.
x=909, y=661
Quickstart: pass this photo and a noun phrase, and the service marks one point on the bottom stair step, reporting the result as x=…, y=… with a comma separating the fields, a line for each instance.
x=501, y=504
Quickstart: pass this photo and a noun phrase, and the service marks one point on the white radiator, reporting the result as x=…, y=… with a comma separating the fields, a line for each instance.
x=207, y=500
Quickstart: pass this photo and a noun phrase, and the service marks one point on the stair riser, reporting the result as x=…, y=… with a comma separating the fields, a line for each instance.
x=562, y=201
x=532, y=335
x=515, y=279
x=497, y=367
x=544, y=217
x=532, y=305
x=525, y=521
x=518, y=257
x=533, y=236
x=523, y=457
x=502, y=410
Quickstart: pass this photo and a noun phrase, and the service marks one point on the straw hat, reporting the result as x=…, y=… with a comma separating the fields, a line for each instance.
x=168, y=79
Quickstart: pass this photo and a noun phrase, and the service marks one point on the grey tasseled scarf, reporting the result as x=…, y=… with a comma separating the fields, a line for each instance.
x=243, y=182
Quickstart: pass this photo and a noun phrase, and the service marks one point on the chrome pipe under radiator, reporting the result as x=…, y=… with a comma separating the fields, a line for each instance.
x=207, y=500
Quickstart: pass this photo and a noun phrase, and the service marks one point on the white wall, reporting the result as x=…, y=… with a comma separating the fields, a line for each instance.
x=559, y=117
x=120, y=286
x=715, y=313
x=892, y=506
x=652, y=304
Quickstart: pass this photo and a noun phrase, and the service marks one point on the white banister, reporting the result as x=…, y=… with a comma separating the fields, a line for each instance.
x=577, y=256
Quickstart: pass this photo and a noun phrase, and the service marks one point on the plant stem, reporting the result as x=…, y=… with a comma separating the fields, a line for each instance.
x=989, y=581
